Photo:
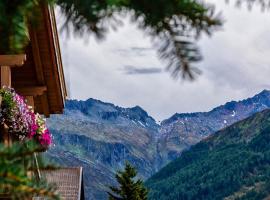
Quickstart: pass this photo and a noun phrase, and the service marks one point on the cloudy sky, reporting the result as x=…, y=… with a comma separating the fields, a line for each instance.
x=124, y=69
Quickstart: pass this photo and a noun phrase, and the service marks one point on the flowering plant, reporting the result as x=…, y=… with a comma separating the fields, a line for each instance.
x=21, y=120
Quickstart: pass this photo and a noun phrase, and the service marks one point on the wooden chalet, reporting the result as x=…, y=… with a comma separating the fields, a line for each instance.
x=38, y=74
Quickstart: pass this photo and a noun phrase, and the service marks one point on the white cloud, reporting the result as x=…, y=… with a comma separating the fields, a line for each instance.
x=235, y=66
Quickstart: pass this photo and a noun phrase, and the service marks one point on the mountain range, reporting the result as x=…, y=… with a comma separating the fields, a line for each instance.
x=101, y=136
x=232, y=164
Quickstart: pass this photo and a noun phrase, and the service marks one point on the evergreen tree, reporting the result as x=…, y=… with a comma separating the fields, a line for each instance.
x=129, y=189
x=15, y=162
x=176, y=24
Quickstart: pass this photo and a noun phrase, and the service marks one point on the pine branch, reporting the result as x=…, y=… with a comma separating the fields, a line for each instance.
x=171, y=23
x=15, y=162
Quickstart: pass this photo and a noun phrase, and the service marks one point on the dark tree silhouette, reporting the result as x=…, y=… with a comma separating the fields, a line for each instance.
x=129, y=188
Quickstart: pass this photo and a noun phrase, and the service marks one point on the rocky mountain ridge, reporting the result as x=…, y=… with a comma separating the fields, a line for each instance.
x=101, y=112
x=101, y=137
x=185, y=129
x=232, y=164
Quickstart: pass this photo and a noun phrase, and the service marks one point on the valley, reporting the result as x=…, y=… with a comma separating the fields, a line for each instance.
x=101, y=137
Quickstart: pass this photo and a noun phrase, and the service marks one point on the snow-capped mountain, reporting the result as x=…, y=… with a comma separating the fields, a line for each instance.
x=185, y=129
x=101, y=136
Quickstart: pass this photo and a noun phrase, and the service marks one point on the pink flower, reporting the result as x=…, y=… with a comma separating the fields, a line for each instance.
x=22, y=120
x=46, y=138
x=34, y=128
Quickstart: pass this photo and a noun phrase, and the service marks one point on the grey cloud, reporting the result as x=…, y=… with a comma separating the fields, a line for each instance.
x=132, y=70
x=235, y=66
x=134, y=51
x=139, y=49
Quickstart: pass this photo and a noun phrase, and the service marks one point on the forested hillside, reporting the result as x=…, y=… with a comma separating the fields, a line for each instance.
x=232, y=164
x=101, y=136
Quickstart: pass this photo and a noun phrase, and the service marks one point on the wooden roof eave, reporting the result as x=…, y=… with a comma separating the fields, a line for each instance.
x=41, y=75
x=55, y=51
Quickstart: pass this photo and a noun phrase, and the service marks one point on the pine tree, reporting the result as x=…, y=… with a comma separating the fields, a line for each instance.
x=129, y=188
x=15, y=162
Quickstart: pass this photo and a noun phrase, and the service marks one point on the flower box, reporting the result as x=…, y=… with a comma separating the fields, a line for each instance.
x=20, y=122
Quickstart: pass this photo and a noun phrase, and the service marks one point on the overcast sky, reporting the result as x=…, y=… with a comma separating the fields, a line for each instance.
x=124, y=69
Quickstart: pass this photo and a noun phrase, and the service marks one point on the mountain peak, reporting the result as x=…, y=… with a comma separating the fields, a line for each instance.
x=202, y=124
x=100, y=112
x=138, y=109
x=138, y=113
x=256, y=103
x=96, y=101
x=101, y=135
x=263, y=93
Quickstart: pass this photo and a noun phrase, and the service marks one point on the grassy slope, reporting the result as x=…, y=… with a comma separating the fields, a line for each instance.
x=232, y=164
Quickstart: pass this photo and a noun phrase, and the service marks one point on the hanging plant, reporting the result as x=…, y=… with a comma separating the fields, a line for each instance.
x=174, y=25
x=23, y=124
x=15, y=17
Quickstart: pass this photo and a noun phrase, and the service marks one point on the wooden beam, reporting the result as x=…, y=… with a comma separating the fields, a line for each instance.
x=12, y=60
x=45, y=105
x=30, y=101
x=53, y=55
x=5, y=76
x=39, y=71
x=36, y=56
x=58, y=53
x=32, y=91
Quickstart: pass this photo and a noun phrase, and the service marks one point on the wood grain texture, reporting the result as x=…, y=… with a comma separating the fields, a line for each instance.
x=32, y=91
x=43, y=67
x=5, y=76
x=12, y=60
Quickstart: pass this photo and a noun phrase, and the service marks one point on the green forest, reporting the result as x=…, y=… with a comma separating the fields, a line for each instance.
x=232, y=164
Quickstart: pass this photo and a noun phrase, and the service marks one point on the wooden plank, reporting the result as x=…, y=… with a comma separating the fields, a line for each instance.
x=58, y=53
x=39, y=71
x=30, y=101
x=5, y=76
x=12, y=60
x=36, y=56
x=53, y=67
x=32, y=91
x=45, y=105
